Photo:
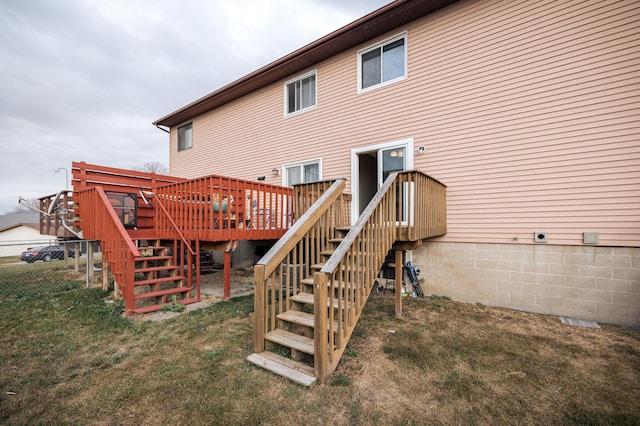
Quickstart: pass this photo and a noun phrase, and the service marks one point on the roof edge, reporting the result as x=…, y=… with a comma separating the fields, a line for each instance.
x=386, y=18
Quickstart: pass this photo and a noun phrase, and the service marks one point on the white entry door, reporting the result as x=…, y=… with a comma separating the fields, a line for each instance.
x=371, y=165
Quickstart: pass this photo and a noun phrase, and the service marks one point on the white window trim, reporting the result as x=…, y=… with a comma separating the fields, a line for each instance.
x=178, y=136
x=300, y=163
x=355, y=176
x=375, y=46
x=286, y=97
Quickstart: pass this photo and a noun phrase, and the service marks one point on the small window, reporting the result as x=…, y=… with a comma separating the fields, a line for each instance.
x=185, y=137
x=300, y=93
x=382, y=64
x=126, y=207
x=304, y=172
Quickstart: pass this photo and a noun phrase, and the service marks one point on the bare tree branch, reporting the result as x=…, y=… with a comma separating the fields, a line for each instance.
x=152, y=167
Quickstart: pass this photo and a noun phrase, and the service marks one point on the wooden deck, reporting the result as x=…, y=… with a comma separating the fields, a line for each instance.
x=209, y=209
x=128, y=211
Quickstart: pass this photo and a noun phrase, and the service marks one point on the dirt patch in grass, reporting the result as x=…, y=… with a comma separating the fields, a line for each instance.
x=69, y=359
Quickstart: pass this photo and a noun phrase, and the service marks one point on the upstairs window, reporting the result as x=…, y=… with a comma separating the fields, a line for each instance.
x=185, y=137
x=383, y=63
x=304, y=172
x=300, y=93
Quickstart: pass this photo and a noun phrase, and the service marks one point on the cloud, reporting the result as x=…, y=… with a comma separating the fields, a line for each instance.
x=83, y=80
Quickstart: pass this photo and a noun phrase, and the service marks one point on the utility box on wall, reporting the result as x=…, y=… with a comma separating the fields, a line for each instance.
x=540, y=236
x=590, y=238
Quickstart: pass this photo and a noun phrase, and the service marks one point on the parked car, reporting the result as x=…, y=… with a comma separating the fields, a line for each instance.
x=45, y=253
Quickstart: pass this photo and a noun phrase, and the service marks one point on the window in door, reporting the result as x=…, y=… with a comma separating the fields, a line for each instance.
x=391, y=160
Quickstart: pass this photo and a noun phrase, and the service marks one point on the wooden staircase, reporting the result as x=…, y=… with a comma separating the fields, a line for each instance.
x=313, y=284
x=145, y=273
x=295, y=332
x=157, y=279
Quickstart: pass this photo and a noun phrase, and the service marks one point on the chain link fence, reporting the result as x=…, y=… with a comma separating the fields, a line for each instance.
x=39, y=268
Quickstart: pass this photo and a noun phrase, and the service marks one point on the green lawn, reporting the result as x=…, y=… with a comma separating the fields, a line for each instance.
x=67, y=358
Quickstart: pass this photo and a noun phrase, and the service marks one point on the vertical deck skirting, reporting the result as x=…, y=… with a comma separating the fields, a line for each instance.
x=592, y=283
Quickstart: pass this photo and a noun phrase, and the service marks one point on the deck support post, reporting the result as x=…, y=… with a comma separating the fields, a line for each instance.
x=197, y=269
x=259, y=308
x=89, y=262
x=105, y=273
x=227, y=274
x=398, y=275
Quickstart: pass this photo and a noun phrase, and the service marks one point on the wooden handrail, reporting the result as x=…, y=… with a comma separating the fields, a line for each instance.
x=100, y=222
x=332, y=264
x=390, y=216
x=173, y=224
x=273, y=258
x=278, y=274
x=409, y=206
x=116, y=221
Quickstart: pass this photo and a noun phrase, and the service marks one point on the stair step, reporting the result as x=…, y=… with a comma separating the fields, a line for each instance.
x=307, y=298
x=142, y=234
x=158, y=280
x=151, y=247
x=309, y=282
x=327, y=252
x=336, y=240
x=155, y=268
x=302, y=318
x=285, y=367
x=291, y=340
x=319, y=266
x=143, y=258
x=153, y=308
x=161, y=293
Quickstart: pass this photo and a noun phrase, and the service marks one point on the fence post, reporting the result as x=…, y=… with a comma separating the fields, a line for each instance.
x=76, y=262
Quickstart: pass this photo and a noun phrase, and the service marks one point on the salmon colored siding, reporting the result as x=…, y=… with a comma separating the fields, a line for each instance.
x=529, y=112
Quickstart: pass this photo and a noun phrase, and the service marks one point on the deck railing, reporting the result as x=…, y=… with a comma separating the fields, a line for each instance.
x=62, y=214
x=279, y=274
x=218, y=208
x=424, y=206
x=101, y=223
x=306, y=194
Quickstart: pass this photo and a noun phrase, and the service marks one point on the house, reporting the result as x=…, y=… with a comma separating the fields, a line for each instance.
x=19, y=232
x=492, y=143
x=20, y=237
x=529, y=112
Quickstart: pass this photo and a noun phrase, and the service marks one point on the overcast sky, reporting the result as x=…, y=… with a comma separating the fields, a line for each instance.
x=82, y=80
